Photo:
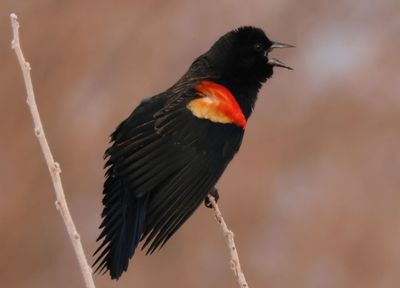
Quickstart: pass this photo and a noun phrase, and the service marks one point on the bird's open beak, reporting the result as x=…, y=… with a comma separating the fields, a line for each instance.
x=276, y=44
x=276, y=62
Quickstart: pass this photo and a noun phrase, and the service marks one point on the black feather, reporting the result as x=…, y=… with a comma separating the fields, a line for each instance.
x=163, y=160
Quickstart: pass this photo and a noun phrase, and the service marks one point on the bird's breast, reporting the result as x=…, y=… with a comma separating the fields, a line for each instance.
x=217, y=104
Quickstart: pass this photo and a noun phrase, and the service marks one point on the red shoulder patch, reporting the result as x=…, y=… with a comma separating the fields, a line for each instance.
x=217, y=104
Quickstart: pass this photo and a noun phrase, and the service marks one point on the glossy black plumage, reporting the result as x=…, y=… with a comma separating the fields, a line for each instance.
x=163, y=160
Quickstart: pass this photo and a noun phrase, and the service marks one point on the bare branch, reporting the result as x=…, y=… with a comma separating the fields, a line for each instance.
x=228, y=234
x=54, y=167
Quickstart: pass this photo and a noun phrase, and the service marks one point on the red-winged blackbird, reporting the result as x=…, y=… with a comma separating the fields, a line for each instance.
x=166, y=157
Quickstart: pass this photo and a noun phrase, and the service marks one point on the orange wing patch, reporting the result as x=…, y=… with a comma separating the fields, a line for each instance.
x=217, y=104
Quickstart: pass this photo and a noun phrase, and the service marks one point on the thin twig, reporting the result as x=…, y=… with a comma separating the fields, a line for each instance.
x=54, y=167
x=228, y=234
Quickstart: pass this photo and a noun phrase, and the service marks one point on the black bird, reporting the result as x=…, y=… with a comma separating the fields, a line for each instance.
x=166, y=157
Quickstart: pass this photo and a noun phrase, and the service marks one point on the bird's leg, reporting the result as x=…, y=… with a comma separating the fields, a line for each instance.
x=214, y=193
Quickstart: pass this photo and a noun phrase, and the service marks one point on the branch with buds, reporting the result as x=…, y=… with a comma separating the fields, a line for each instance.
x=228, y=234
x=54, y=167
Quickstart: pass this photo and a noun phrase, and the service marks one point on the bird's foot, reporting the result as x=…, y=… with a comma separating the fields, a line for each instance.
x=214, y=193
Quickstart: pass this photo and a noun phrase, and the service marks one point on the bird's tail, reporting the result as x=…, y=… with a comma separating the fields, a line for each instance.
x=122, y=226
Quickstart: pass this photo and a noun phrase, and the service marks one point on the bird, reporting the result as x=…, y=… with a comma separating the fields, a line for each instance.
x=167, y=156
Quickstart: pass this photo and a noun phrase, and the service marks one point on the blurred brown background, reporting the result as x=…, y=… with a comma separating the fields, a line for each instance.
x=313, y=196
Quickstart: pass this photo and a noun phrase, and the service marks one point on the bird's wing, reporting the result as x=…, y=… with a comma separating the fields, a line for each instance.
x=201, y=149
x=168, y=160
x=124, y=213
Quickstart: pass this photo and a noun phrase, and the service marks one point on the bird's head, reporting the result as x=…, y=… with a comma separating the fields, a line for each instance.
x=243, y=55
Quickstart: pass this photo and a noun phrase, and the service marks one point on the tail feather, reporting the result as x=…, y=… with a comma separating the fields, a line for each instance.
x=123, y=225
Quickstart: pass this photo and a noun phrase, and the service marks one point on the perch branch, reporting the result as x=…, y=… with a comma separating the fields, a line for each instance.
x=228, y=234
x=54, y=167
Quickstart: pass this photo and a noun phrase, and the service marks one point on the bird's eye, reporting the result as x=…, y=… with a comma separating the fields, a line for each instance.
x=258, y=47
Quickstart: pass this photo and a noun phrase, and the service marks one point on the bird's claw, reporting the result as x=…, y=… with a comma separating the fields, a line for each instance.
x=214, y=193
